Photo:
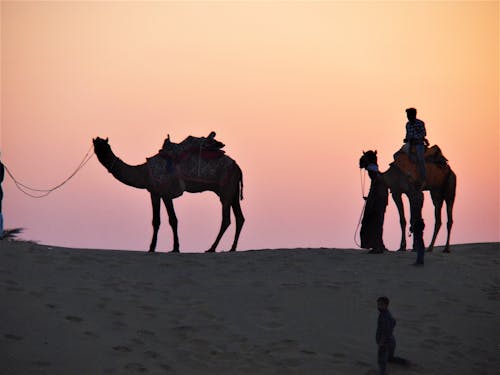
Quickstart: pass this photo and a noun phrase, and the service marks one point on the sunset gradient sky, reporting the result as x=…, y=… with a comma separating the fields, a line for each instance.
x=296, y=90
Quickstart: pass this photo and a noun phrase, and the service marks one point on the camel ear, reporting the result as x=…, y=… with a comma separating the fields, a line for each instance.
x=375, y=152
x=107, y=139
x=364, y=153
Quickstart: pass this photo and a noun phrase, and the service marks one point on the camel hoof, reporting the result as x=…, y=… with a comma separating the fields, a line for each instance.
x=429, y=250
x=402, y=249
x=151, y=251
x=446, y=250
x=210, y=251
x=175, y=251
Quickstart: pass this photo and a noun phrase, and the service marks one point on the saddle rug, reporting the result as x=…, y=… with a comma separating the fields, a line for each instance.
x=436, y=164
x=169, y=175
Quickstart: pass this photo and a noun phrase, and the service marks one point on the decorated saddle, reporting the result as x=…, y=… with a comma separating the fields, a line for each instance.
x=436, y=164
x=195, y=159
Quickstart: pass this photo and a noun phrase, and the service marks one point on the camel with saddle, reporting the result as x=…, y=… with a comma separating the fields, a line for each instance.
x=195, y=165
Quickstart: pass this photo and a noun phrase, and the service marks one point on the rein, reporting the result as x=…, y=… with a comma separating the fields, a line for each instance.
x=40, y=193
x=362, y=177
x=362, y=181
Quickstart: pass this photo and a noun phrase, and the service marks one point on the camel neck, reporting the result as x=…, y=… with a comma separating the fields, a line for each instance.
x=131, y=175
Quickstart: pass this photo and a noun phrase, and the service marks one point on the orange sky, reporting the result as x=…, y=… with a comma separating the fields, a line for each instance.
x=295, y=90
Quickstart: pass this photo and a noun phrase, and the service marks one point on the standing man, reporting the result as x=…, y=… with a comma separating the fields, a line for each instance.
x=418, y=241
x=415, y=136
x=2, y=172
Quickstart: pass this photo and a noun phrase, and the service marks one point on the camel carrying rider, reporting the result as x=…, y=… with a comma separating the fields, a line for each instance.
x=415, y=136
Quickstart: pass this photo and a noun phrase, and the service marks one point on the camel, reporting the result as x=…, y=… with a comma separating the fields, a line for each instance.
x=441, y=183
x=227, y=184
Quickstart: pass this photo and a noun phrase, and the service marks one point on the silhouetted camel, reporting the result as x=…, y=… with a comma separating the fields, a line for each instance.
x=228, y=187
x=441, y=182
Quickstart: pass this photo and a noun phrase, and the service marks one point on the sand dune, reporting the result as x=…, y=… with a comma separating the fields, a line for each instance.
x=302, y=311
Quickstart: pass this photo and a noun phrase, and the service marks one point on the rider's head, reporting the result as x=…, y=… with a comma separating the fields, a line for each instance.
x=411, y=113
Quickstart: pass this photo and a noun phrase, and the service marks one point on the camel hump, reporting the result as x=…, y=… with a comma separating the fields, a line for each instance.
x=435, y=155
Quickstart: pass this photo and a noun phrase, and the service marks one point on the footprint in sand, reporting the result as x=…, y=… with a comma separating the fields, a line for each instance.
x=41, y=363
x=122, y=349
x=91, y=334
x=183, y=331
x=119, y=324
x=138, y=367
x=272, y=325
x=137, y=341
x=166, y=367
x=435, y=331
x=471, y=309
x=429, y=343
x=145, y=332
x=151, y=354
x=75, y=319
x=364, y=364
x=12, y=337
x=308, y=352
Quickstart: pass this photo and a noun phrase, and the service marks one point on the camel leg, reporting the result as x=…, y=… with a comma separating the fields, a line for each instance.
x=402, y=220
x=240, y=219
x=449, y=224
x=449, y=197
x=155, y=203
x=437, y=199
x=172, y=219
x=226, y=220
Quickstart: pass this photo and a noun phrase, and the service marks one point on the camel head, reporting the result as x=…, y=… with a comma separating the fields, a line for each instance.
x=101, y=147
x=368, y=157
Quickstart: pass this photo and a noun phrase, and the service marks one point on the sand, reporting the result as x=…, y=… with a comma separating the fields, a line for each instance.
x=300, y=311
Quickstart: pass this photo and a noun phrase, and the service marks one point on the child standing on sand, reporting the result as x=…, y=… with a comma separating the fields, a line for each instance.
x=384, y=336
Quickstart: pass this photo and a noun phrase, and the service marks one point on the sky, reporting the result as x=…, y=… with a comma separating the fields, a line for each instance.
x=296, y=91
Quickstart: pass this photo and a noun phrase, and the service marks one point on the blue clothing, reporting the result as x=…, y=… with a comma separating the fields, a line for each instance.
x=415, y=132
x=420, y=150
x=385, y=354
x=385, y=328
x=385, y=339
x=415, y=135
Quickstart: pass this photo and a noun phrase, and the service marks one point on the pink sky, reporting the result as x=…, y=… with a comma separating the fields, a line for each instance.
x=295, y=90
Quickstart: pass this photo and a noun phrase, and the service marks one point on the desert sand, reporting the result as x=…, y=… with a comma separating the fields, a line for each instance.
x=288, y=311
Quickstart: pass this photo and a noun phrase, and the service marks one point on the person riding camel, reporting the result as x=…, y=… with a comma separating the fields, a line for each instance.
x=415, y=136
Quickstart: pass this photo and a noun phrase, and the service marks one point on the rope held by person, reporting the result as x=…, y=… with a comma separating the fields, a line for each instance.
x=40, y=193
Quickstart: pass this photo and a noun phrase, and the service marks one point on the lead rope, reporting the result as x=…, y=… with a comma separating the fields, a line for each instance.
x=31, y=192
x=362, y=181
